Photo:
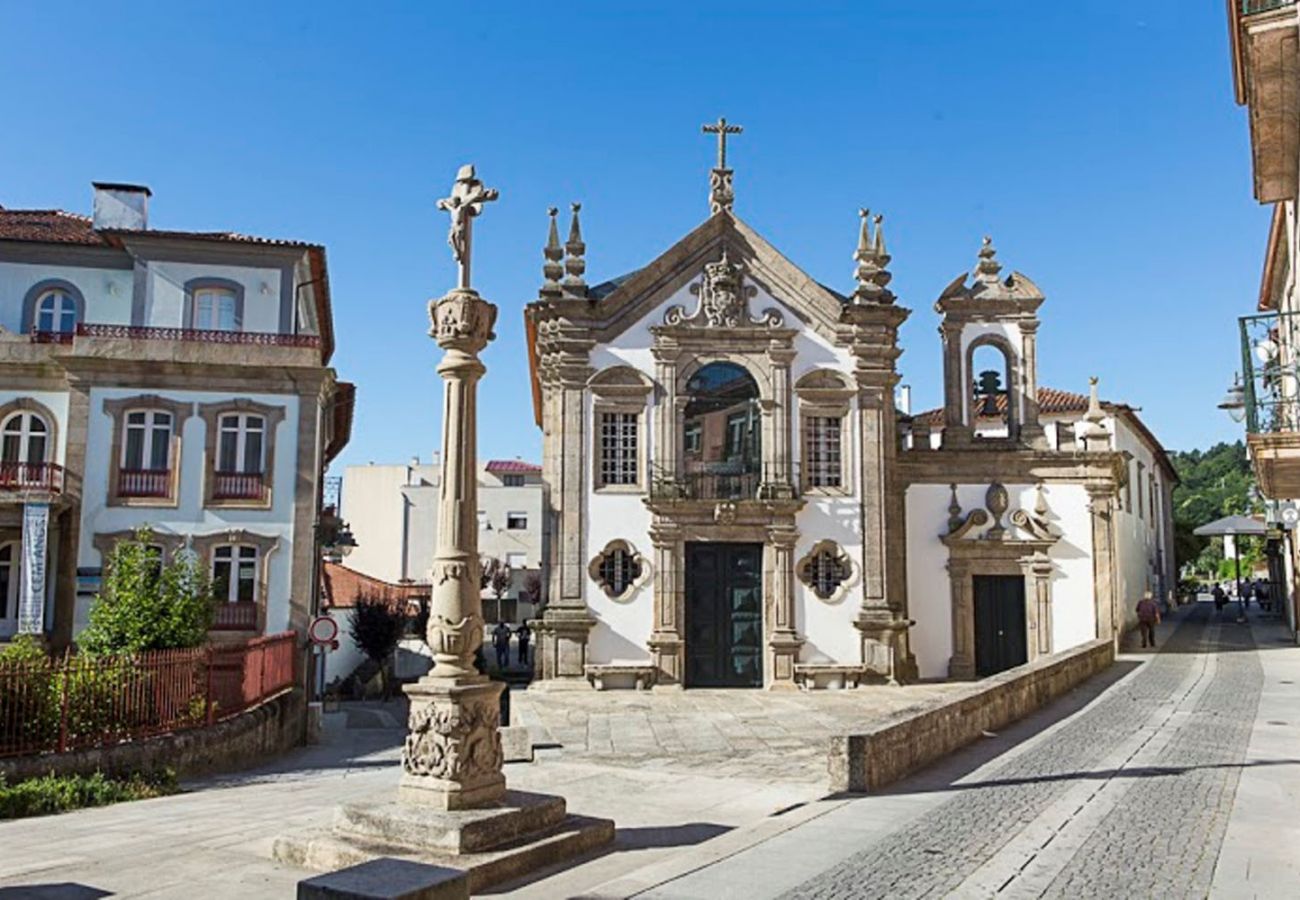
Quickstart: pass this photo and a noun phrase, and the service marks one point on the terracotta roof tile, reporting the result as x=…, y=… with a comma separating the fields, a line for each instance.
x=341, y=586
x=1050, y=401
x=512, y=466
x=48, y=226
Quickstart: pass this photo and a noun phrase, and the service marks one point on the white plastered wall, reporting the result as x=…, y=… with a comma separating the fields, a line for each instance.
x=107, y=292
x=165, y=293
x=929, y=593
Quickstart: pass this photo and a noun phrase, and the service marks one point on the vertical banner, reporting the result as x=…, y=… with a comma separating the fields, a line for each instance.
x=31, y=599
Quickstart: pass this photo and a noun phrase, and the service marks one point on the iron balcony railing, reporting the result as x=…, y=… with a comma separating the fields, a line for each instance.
x=237, y=485
x=144, y=483
x=1254, y=7
x=726, y=481
x=27, y=476
x=1270, y=365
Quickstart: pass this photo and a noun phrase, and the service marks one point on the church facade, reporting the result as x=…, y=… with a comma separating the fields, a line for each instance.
x=735, y=499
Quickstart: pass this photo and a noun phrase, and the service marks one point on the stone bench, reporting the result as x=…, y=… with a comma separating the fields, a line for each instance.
x=829, y=676
x=387, y=878
x=620, y=675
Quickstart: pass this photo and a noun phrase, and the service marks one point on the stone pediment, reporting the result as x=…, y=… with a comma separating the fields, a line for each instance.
x=686, y=262
x=1030, y=529
x=985, y=289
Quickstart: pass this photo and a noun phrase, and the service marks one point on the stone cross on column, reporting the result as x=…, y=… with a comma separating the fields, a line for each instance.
x=721, y=194
x=452, y=756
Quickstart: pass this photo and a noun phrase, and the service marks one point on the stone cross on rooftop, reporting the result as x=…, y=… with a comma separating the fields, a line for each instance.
x=466, y=201
x=722, y=129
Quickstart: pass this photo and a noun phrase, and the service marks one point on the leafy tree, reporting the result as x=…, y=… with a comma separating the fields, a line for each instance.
x=376, y=625
x=495, y=577
x=1213, y=483
x=146, y=605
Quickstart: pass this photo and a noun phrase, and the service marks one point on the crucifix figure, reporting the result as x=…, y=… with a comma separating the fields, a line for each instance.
x=466, y=201
x=722, y=129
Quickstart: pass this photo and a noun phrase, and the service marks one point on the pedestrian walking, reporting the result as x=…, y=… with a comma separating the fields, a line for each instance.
x=1148, y=612
x=524, y=634
x=1220, y=598
x=501, y=643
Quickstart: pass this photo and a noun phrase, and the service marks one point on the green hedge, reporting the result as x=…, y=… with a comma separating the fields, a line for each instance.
x=61, y=793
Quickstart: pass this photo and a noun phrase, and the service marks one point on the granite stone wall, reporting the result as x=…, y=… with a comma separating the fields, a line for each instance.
x=913, y=739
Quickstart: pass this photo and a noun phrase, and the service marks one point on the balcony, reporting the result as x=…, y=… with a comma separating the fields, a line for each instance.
x=45, y=478
x=715, y=482
x=140, y=484
x=1266, y=47
x=234, y=617
x=238, y=485
x=1270, y=344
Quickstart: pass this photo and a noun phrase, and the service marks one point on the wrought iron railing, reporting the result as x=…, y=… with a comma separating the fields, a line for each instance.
x=1270, y=363
x=142, y=483
x=52, y=337
x=203, y=336
x=16, y=476
x=726, y=481
x=237, y=485
x=240, y=616
x=1253, y=7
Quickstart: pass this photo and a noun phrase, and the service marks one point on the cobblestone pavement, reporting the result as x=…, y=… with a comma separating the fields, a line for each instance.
x=750, y=734
x=1128, y=798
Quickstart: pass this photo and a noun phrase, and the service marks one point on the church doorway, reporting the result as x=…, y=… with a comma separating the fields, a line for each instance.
x=999, y=623
x=724, y=615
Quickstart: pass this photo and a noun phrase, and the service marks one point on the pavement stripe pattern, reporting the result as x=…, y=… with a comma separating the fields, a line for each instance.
x=1161, y=837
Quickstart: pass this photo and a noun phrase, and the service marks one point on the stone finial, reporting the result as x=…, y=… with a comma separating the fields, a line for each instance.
x=1095, y=435
x=552, y=269
x=954, y=510
x=722, y=195
x=574, y=248
x=871, y=274
x=988, y=267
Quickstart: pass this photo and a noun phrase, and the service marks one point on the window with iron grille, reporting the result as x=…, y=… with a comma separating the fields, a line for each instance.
x=822, y=450
x=618, y=448
x=825, y=572
x=618, y=570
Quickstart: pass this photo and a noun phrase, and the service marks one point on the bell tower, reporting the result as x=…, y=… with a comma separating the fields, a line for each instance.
x=984, y=310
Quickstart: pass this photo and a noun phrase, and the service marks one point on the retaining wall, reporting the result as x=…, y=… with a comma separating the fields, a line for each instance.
x=914, y=739
x=253, y=736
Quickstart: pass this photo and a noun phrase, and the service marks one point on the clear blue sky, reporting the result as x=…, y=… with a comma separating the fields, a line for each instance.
x=1096, y=141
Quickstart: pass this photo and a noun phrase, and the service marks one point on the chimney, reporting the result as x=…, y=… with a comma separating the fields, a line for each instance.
x=905, y=399
x=121, y=205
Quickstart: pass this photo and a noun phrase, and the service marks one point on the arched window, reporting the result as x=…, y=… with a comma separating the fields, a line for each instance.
x=148, y=441
x=721, y=432
x=215, y=309
x=10, y=562
x=56, y=311
x=24, y=438
x=992, y=415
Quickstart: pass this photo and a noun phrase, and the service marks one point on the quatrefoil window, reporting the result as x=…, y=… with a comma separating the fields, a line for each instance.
x=619, y=570
x=827, y=570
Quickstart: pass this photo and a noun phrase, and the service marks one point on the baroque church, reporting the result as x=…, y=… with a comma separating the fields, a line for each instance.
x=738, y=495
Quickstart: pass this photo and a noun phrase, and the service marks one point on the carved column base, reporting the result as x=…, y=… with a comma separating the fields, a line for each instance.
x=562, y=636
x=668, y=655
x=782, y=653
x=452, y=757
x=886, y=651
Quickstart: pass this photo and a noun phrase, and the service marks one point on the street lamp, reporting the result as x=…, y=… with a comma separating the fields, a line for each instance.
x=1234, y=401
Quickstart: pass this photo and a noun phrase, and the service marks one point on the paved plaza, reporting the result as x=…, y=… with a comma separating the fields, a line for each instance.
x=1171, y=775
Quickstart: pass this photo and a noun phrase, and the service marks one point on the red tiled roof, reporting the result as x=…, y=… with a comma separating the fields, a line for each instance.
x=48, y=226
x=1050, y=401
x=512, y=466
x=341, y=586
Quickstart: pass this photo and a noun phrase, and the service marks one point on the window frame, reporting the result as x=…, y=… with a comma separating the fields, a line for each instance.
x=619, y=390
x=119, y=409
x=25, y=434
x=196, y=288
x=596, y=570
x=39, y=291
x=825, y=394
x=512, y=516
x=213, y=415
x=807, y=570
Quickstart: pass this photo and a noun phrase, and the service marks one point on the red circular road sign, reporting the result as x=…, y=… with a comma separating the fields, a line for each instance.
x=323, y=630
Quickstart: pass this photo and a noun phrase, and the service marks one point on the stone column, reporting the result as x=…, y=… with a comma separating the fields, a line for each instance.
x=1101, y=505
x=1031, y=430
x=667, y=645
x=452, y=756
x=783, y=640
x=955, y=389
x=962, y=664
x=777, y=474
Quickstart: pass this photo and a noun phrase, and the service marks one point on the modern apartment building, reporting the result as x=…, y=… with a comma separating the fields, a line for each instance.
x=177, y=380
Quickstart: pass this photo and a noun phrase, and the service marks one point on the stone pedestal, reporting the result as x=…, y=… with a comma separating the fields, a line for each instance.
x=562, y=638
x=452, y=757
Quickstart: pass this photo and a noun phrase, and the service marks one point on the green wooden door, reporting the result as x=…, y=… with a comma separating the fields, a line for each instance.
x=724, y=615
x=999, y=623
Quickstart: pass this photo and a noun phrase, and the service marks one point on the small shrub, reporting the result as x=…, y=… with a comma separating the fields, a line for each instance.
x=61, y=793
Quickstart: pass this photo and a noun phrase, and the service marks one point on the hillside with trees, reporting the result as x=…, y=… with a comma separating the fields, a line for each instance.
x=1213, y=483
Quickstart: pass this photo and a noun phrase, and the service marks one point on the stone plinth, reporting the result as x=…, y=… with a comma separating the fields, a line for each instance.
x=387, y=879
x=452, y=757
x=496, y=843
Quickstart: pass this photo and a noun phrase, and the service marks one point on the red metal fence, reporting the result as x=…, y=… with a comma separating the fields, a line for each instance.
x=237, y=485
x=80, y=701
x=144, y=482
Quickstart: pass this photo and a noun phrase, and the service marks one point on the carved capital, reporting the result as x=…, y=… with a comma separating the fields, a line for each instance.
x=455, y=740
x=462, y=320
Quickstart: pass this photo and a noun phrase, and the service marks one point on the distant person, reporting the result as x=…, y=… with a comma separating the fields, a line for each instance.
x=1220, y=598
x=1265, y=596
x=1148, y=618
x=525, y=635
x=501, y=643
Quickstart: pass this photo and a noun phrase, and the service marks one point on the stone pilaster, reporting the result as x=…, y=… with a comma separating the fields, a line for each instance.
x=1101, y=506
x=780, y=476
x=667, y=641
x=783, y=640
x=452, y=756
x=74, y=462
x=1031, y=429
